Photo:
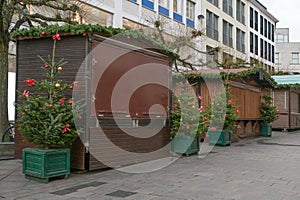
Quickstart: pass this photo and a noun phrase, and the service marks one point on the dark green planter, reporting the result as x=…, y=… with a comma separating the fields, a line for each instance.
x=266, y=130
x=185, y=145
x=219, y=137
x=42, y=164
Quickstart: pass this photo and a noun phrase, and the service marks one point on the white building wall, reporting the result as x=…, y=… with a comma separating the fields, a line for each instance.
x=136, y=12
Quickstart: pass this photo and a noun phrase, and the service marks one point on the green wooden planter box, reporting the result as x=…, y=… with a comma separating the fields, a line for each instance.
x=266, y=130
x=185, y=145
x=219, y=137
x=42, y=164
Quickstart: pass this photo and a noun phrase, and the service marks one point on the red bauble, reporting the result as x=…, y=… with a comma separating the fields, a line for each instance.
x=44, y=33
x=84, y=34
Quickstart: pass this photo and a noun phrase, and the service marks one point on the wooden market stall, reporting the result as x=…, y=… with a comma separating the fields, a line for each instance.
x=100, y=63
x=247, y=85
x=287, y=99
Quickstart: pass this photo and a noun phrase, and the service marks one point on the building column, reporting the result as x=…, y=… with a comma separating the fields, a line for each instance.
x=117, y=17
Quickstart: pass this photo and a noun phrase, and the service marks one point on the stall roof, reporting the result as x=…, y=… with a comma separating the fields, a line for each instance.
x=287, y=79
x=257, y=73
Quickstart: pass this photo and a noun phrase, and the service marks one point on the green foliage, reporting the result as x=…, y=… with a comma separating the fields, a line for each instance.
x=220, y=114
x=46, y=113
x=268, y=112
x=230, y=75
x=79, y=29
x=185, y=114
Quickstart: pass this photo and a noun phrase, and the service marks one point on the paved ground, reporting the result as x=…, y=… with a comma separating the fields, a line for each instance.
x=261, y=168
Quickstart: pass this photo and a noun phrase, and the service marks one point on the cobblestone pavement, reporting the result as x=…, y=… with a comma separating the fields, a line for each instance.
x=260, y=168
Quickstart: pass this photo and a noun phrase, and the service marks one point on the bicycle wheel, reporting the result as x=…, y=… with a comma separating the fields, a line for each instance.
x=9, y=134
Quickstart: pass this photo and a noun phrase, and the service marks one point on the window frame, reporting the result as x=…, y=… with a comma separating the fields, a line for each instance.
x=293, y=58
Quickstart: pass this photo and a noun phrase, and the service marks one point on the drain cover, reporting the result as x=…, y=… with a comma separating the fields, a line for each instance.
x=121, y=193
x=77, y=187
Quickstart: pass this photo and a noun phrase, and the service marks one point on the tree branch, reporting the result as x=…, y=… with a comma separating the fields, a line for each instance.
x=62, y=6
x=52, y=19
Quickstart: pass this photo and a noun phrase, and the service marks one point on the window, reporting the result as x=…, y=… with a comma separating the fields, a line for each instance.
x=212, y=25
x=295, y=58
x=240, y=40
x=177, y=6
x=251, y=42
x=148, y=4
x=269, y=52
x=269, y=30
x=96, y=16
x=251, y=17
x=215, y=2
x=256, y=44
x=261, y=25
x=227, y=6
x=190, y=10
x=164, y=3
x=273, y=33
x=265, y=28
x=256, y=20
x=276, y=58
x=272, y=54
x=265, y=50
x=211, y=54
x=227, y=34
x=261, y=48
x=240, y=11
x=281, y=38
x=163, y=7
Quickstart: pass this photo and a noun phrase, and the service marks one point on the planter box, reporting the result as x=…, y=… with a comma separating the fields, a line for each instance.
x=42, y=164
x=266, y=130
x=185, y=145
x=219, y=137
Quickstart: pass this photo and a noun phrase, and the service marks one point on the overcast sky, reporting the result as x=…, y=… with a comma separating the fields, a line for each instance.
x=288, y=14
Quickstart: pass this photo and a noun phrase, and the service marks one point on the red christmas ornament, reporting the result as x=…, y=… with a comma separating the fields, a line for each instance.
x=62, y=101
x=44, y=33
x=30, y=82
x=46, y=66
x=70, y=102
x=84, y=34
x=50, y=106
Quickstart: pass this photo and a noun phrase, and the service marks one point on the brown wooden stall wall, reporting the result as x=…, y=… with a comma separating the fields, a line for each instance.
x=247, y=100
x=281, y=101
x=140, y=102
x=73, y=50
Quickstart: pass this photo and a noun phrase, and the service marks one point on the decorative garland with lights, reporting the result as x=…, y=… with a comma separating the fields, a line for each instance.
x=84, y=29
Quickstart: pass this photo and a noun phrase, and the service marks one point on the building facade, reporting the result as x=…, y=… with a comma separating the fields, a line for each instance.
x=238, y=31
x=287, y=53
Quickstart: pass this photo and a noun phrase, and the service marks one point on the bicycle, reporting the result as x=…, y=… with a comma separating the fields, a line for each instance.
x=9, y=133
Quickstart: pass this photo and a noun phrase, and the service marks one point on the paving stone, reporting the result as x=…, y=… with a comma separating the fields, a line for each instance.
x=249, y=170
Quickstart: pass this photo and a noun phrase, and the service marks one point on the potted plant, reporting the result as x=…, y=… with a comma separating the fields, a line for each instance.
x=219, y=119
x=185, y=123
x=268, y=114
x=46, y=121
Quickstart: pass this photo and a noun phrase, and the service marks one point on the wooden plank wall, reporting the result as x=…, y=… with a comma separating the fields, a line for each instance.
x=105, y=141
x=281, y=101
x=247, y=98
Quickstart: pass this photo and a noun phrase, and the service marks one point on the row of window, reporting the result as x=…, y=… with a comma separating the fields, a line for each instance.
x=228, y=8
x=266, y=49
x=294, y=58
x=212, y=32
x=266, y=27
x=164, y=6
